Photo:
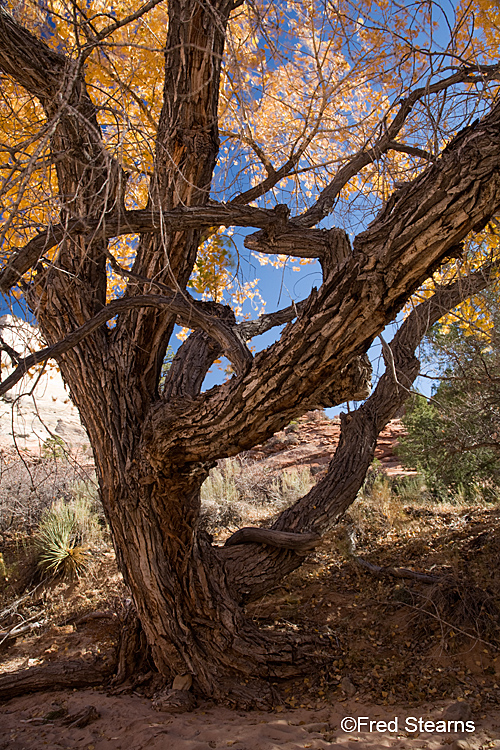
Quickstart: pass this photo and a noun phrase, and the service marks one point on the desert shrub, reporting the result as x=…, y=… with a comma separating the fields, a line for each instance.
x=457, y=607
x=65, y=534
x=54, y=447
x=454, y=438
x=233, y=480
x=29, y=487
x=294, y=484
x=235, y=489
x=449, y=453
x=410, y=488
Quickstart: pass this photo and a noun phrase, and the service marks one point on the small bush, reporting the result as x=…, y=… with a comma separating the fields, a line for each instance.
x=454, y=439
x=433, y=446
x=410, y=488
x=235, y=490
x=54, y=447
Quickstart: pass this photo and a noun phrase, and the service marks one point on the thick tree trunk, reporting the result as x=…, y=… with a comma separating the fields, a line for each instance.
x=193, y=623
x=188, y=594
x=192, y=619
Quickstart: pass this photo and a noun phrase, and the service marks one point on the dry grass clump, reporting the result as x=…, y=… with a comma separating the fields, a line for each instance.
x=378, y=506
x=237, y=490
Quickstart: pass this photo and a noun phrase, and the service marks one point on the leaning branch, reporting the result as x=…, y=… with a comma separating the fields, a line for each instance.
x=188, y=311
x=360, y=429
x=390, y=260
x=387, y=141
x=252, y=572
x=133, y=222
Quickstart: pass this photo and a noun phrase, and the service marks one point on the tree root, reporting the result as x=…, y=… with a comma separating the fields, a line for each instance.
x=277, y=657
x=395, y=572
x=134, y=661
x=129, y=666
x=56, y=676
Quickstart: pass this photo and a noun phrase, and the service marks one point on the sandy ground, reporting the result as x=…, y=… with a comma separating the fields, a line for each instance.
x=129, y=723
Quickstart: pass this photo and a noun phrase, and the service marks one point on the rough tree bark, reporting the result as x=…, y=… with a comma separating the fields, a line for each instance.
x=154, y=449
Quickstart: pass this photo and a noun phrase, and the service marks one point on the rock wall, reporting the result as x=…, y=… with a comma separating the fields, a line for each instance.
x=38, y=411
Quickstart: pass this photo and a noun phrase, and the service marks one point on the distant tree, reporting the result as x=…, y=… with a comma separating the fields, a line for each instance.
x=454, y=438
x=130, y=138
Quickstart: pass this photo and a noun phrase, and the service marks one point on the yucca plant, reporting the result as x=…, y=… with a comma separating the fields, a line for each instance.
x=62, y=537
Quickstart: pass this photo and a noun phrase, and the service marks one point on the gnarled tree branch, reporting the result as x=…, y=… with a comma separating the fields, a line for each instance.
x=389, y=260
x=141, y=221
x=253, y=571
x=29, y=60
x=188, y=311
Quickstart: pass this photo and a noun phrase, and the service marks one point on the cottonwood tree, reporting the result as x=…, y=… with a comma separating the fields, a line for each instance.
x=129, y=137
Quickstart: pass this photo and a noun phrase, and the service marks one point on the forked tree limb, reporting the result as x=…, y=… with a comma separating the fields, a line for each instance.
x=418, y=230
x=253, y=571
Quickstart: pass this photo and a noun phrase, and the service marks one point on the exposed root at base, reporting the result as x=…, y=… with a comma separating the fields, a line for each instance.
x=56, y=676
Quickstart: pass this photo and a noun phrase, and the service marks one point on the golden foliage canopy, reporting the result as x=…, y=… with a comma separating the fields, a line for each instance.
x=305, y=87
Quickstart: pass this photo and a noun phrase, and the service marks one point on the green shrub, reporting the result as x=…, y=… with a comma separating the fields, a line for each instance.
x=454, y=438
x=410, y=488
x=54, y=447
